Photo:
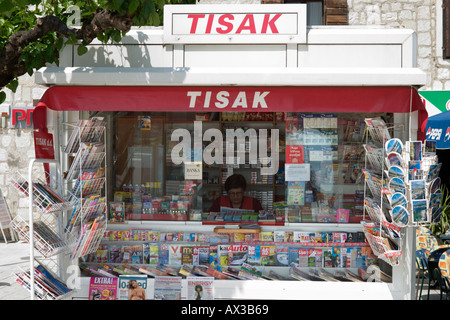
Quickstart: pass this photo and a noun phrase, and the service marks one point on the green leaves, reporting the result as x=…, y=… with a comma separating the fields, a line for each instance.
x=134, y=4
x=2, y=96
x=21, y=15
x=82, y=49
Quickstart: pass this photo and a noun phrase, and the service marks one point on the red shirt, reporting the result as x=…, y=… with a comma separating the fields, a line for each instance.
x=247, y=203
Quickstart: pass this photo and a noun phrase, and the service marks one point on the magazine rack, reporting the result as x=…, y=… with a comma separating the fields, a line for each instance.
x=44, y=197
x=47, y=285
x=39, y=235
x=87, y=223
x=380, y=245
x=46, y=241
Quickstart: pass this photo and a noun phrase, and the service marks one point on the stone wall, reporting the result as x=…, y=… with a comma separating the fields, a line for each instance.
x=422, y=16
x=16, y=146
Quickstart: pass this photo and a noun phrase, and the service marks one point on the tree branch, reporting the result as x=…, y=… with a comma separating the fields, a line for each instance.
x=11, y=67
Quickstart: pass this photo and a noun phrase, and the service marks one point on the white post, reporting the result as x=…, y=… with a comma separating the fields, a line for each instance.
x=30, y=225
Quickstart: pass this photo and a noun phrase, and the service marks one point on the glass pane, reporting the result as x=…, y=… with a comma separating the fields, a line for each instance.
x=302, y=167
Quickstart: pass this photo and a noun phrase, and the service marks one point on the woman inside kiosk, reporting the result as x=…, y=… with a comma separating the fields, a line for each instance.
x=235, y=186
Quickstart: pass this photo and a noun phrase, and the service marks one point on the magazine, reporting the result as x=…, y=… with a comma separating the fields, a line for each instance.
x=237, y=254
x=167, y=288
x=116, y=212
x=200, y=288
x=103, y=288
x=132, y=287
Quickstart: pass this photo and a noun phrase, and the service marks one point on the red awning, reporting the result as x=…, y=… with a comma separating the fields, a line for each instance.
x=232, y=98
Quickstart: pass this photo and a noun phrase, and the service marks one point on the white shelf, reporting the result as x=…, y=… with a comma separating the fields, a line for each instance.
x=280, y=290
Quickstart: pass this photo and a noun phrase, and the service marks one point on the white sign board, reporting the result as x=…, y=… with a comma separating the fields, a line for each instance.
x=196, y=24
x=297, y=172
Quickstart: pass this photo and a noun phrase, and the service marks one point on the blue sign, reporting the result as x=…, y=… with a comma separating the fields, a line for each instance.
x=438, y=129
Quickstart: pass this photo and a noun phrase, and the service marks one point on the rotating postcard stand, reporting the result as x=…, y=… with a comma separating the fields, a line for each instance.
x=382, y=234
x=407, y=193
x=40, y=281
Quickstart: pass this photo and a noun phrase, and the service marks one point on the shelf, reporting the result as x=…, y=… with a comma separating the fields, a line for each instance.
x=236, y=230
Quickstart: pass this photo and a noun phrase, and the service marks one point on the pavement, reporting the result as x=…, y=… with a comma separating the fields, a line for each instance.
x=15, y=255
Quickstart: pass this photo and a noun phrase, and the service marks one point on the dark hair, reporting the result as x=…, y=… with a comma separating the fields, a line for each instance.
x=235, y=181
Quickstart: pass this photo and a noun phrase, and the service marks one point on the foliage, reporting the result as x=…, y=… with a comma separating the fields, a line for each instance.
x=21, y=16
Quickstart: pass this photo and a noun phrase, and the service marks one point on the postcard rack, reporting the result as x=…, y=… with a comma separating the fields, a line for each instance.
x=382, y=233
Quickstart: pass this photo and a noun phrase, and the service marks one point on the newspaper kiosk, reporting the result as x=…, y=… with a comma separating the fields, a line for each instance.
x=216, y=66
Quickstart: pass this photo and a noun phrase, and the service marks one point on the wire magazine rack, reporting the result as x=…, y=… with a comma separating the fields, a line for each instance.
x=44, y=197
x=86, y=180
x=87, y=226
x=380, y=245
x=46, y=285
x=46, y=241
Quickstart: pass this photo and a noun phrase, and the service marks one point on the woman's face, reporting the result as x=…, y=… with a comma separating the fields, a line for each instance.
x=236, y=195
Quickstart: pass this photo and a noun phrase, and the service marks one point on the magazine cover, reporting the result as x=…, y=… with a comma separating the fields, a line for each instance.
x=342, y=215
x=167, y=288
x=132, y=287
x=327, y=258
x=150, y=253
x=254, y=255
x=222, y=254
x=200, y=255
x=314, y=257
x=200, y=288
x=116, y=212
x=163, y=253
x=268, y=255
x=103, y=288
x=296, y=193
x=237, y=254
x=303, y=257
x=187, y=255
x=293, y=256
x=282, y=255
x=213, y=257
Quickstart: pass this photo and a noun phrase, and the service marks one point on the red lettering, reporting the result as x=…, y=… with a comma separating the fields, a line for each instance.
x=270, y=23
x=29, y=116
x=195, y=18
x=251, y=27
x=209, y=24
x=21, y=117
x=228, y=25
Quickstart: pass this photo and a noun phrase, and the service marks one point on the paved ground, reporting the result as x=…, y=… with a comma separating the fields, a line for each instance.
x=15, y=255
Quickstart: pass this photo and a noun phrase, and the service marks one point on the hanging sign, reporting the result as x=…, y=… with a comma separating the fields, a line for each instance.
x=235, y=23
x=43, y=145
